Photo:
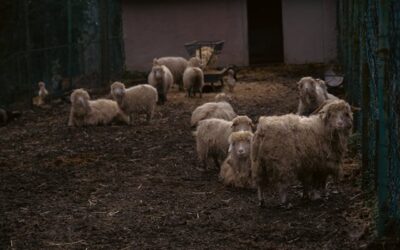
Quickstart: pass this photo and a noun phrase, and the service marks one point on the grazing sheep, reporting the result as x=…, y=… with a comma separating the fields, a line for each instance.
x=97, y=112
x=212, y=137
x=193, y=80
x=221, y=110
x=313, y=93
x=161, y=78
x=222, y=97
x=236, y=169
x=309, y=148
x=140, y=99
x=176, y=65
x=231, y=80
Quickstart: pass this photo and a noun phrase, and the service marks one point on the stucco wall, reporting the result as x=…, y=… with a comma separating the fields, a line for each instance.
x=309, y=30
x=156, y=28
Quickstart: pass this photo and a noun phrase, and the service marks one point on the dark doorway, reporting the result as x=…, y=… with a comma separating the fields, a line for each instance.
x=265, y=31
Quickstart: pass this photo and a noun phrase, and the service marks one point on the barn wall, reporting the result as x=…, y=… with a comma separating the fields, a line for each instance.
x=158, y=28
x=309, y=31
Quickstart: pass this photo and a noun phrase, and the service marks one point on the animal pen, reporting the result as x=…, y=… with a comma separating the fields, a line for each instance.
x=66, y=44
x=369, y=34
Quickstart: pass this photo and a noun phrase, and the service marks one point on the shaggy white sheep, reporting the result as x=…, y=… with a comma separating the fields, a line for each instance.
x=309, y=148
x=140, y=99
x=221, y=110
x=236, y=169
x=161, y=78
x=93, y=112
x=212, y=137
x=193, y=80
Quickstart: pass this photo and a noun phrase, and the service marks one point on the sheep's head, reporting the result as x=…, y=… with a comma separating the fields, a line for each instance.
x=240, y=144
x=118, y=91
x=308, y=89
x=195, y=62
x=222, y=97
x=158, y=72
x=80, y=102
x=242, y=123
x=41, y=85
x=337, y=115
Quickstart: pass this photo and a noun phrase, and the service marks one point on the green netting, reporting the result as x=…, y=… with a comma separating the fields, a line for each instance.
x=72, y=43
x=369, y=35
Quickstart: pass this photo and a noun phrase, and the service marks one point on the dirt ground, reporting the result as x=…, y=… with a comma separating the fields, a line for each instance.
x=138, y=187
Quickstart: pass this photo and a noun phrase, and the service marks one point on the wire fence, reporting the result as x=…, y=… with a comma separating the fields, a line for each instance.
x=66, y=44
x=369, y=35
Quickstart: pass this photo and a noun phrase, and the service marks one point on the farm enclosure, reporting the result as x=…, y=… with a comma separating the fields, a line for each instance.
x=138, y=187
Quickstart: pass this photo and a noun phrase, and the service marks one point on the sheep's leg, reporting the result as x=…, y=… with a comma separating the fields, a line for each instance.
x=149, y=115
x=282, y=193
x=260, y=194
x=216, y=161
x=131, y=119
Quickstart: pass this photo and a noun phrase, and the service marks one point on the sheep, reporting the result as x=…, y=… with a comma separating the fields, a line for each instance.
x=212, y=137
x=236, y=169
x=42, y=95
x=222, y=110
x=313, y=93
x=93, y=112
x=307, y=148
x=193, y=80
x=230, y=79
x=176, y=65
x=140, y=99
x=222, y=97
x=161, y=78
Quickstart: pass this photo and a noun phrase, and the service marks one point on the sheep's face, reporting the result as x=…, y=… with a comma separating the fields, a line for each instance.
x=308, y=89
x=118, y=91
x=158, y=72
x=41, y=85
x=80, y=102
x=338, y=116
x=195, y=62
x=241, y=148
x=242, y=123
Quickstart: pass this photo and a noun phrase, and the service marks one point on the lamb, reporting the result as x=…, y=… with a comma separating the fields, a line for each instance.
x=212, y=137
x=176, y=65
x=139, y=99
x=313, y=93
x=309, y=148
x=87, y=112
x=193, y=79
x=230, y=79
x=222, y=97
x=236, y=169
x=161, y=78
x=221, y=110
x=42, y=95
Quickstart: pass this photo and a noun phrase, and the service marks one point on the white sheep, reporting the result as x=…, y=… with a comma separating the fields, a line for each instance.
x=313, y=93
x=193, y=79
x=212, y=137
x=93, y=112
x=136, y=100
x=161, y=78
x=230, y=80
x=176, y=65
x=236, y=169
x=307, y=148
x=221, y=110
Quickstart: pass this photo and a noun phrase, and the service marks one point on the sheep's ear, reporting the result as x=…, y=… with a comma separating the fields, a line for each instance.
x=230, y=148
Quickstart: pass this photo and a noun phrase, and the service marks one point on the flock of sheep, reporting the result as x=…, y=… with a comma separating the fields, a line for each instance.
x=308, y=146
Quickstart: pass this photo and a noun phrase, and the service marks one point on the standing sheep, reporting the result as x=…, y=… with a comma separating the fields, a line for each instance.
x=176, y=65
x=161, y=78
x=313, y=93
x=212, y=137
x=236, y=169
x=221, y=110
x=309, y=148
x=193, y=79
x=87, y=112
x=140, y=99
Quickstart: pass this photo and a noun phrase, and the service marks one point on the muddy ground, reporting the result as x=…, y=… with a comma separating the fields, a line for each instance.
x=138, y=187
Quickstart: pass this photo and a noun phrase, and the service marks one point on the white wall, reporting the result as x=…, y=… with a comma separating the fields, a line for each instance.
x=309, y=31
x=157, y=28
